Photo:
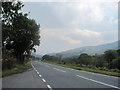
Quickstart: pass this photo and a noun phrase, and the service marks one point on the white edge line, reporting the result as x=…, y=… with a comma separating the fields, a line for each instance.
x=33, y=66
x=49, y=87
x=37, y=72
x=98, y=82
x=44, y=80
x=35, y=69
x=40, y=75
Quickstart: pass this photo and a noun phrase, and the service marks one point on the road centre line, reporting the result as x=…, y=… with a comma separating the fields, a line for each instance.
x=87, y=72
x=59, y=69
x=98, y=82
x=82, y=77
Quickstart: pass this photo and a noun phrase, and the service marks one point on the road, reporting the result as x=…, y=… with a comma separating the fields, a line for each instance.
x=50, y=76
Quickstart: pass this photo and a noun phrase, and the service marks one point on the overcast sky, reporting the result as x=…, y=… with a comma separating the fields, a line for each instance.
x=67, y=25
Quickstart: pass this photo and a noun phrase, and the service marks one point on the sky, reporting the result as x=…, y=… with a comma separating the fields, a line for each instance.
x=75, y=23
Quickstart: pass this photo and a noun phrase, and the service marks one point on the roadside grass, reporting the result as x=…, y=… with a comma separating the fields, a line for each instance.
x=110, y=73
x=17, y=69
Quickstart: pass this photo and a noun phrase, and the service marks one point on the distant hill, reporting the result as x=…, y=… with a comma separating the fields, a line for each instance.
x=91, y=50
x=37, y=55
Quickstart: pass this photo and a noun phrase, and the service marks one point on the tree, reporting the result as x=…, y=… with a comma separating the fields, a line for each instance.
x=84, y=59
x=109, y=56
x=25, y=37
x=46, y=57
x=9, y=13
x=100, y=61
x=19, y=32
x=116, y=62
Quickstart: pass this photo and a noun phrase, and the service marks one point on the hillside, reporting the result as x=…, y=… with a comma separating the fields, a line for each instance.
x=91, y=50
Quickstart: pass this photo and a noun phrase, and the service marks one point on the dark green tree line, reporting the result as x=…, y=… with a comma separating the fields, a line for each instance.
x=107, y=61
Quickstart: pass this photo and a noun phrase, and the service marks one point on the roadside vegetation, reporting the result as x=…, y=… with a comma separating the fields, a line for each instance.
x=19, y=34
x=107, y=63
x=18, y=68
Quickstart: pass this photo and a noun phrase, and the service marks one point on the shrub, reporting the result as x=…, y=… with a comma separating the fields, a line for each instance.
x=8, y=62
x=115, y=70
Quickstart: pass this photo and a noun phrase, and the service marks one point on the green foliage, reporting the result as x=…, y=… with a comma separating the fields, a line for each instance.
x=17, y=69
x=51, y=58
x=19, y=32
x=9, y=13
x=46, y=57
x=71, y=60
x=118, y=51
x=100, y=61
x=109, y=56
x=97, y=62
x=102, y=70
x=8, y=61
x=85, y=59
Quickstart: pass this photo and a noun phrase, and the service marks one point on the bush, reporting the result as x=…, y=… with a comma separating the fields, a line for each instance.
x=79, y=65
x=8, y=62
x=115, y=70
x=105, y=69
x=91, y=66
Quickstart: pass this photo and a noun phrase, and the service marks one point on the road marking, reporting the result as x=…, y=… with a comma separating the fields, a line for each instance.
x=59, y=69
x=40, y=75
x=84, y=71
x=49, y=87
x=32, y=65
x=98, y=82
x=90, y=72
x=43, y=80
x=37, y=72
x=47, y=66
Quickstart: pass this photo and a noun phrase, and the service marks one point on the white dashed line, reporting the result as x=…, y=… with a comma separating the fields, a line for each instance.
x=59, y=69
x=49, y=87
x=37, y=72
x=40, y=75
x=86, y=71
x=44, y=80
x=33, y=66
x=98, y=82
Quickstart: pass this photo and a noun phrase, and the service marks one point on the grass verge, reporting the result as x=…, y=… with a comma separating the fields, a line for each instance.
x=85, y=69
x=18, y=69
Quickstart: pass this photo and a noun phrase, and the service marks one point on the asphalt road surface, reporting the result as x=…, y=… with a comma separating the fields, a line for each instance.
x=50, y=76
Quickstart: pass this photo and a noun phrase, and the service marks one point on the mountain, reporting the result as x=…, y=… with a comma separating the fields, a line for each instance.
x=91, y=50
x=37, y=55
